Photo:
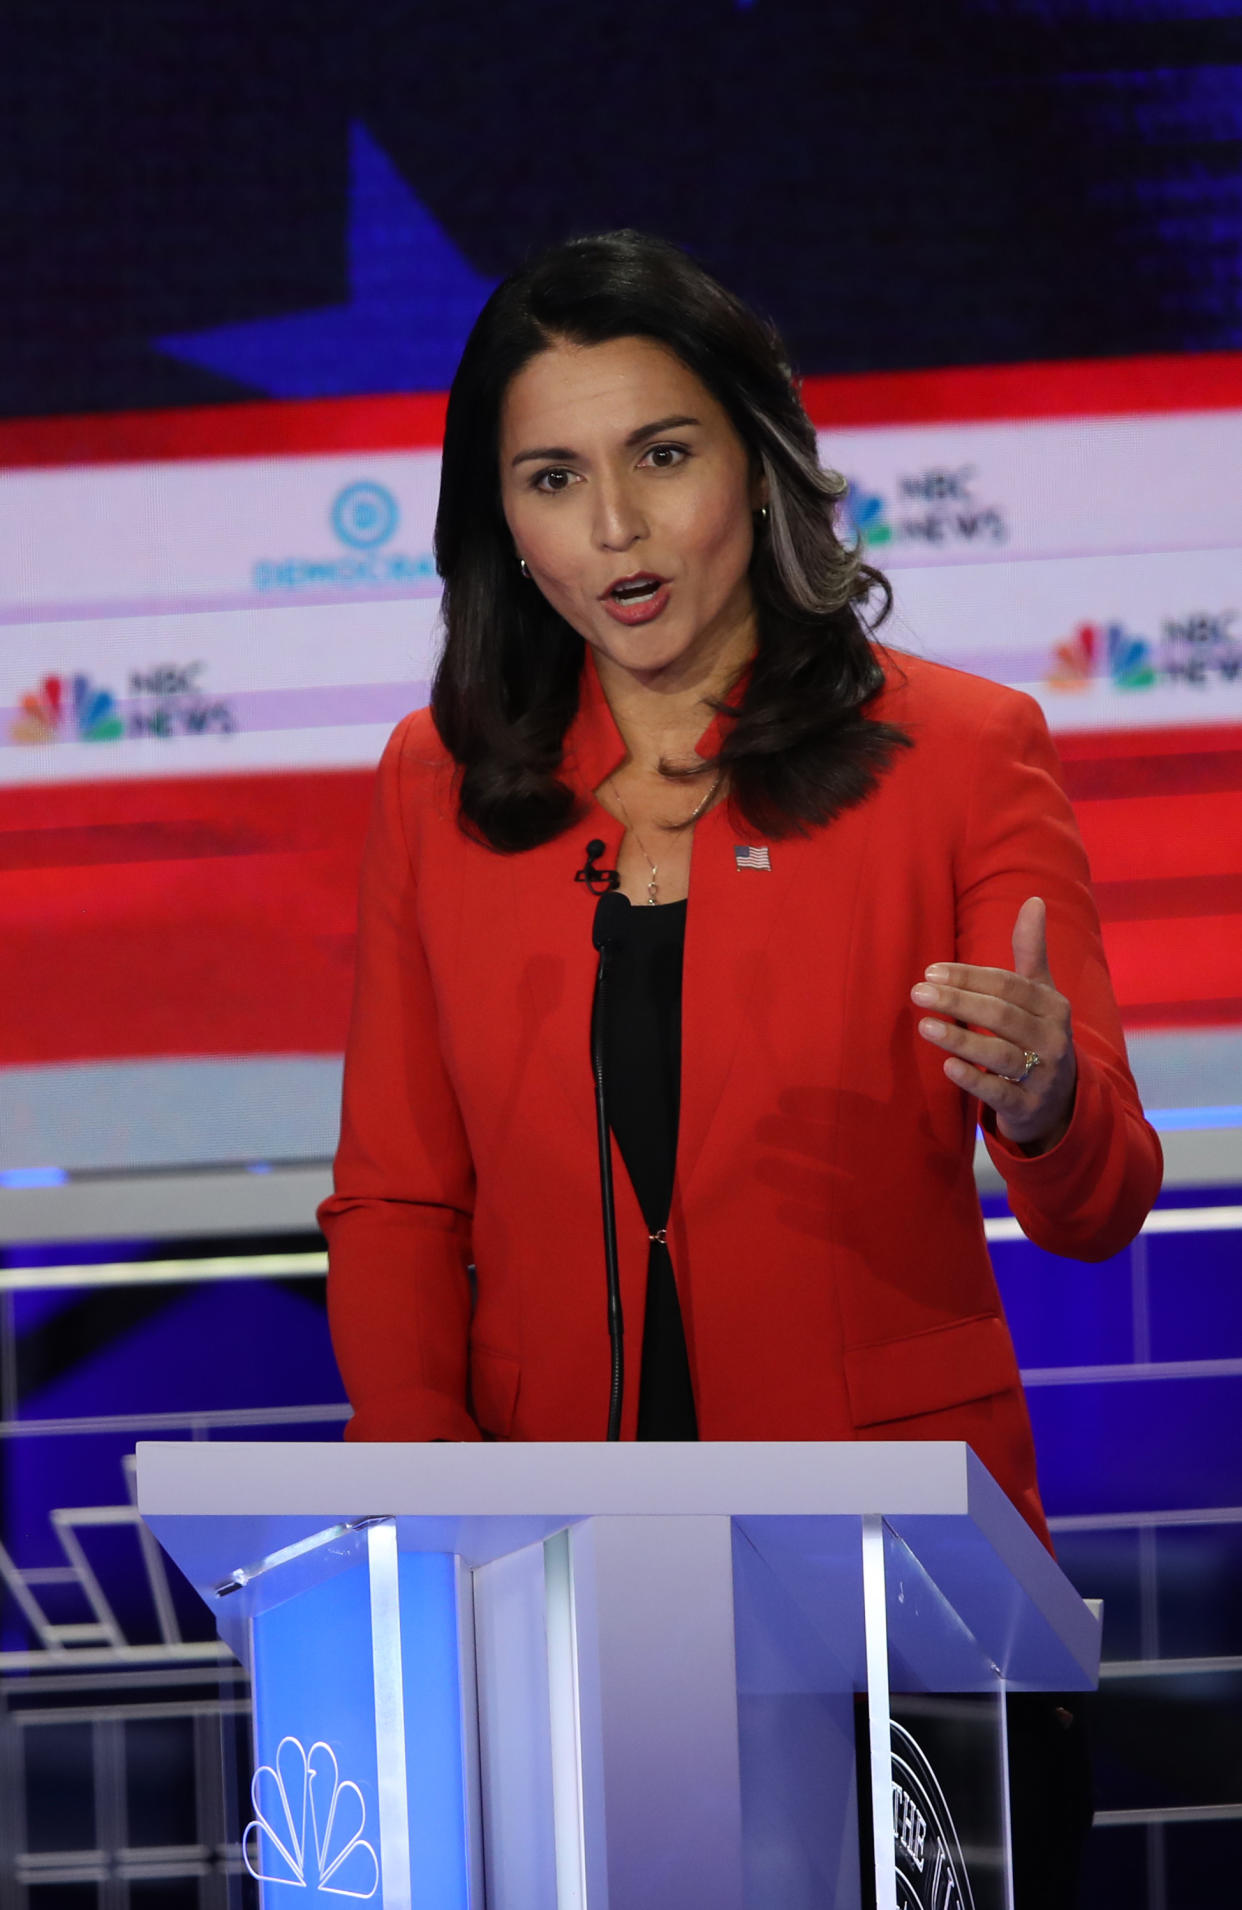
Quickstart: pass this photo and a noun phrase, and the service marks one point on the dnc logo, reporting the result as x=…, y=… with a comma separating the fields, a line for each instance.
x=365, y=515
x=308, y=1825
x=66, y=709
x=1103, y=651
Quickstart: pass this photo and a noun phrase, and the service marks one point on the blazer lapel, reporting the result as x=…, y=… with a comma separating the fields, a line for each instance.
x=556, y=913
x=557, y=978
x=731, y=918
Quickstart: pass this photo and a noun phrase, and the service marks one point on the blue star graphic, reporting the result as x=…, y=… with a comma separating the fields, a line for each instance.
x=413, y=299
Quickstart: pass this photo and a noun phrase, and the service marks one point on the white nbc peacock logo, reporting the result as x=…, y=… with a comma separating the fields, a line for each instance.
x=295, y=1786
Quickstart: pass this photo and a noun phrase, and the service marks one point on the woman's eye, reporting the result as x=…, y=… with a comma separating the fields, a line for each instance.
x=665, y=457
x=555, y=478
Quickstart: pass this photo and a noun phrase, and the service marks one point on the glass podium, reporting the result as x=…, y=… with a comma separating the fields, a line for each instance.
x=628, y=1677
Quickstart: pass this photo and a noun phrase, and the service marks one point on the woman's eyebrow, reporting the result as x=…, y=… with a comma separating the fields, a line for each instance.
x=654, y=430
x=551, y=453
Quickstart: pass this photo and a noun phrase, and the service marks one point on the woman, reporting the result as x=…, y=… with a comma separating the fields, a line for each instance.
x=863, y=916
x=655, y=639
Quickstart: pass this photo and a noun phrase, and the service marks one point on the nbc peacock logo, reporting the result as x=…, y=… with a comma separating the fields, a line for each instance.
x=67, y=709
x=302, y=1792
x=864, y=516
x=1098, y=652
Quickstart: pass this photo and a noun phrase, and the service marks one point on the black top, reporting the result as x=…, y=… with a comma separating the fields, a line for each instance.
x=642, y=1058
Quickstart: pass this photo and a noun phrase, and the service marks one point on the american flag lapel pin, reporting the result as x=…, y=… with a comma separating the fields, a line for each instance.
x=746, y=857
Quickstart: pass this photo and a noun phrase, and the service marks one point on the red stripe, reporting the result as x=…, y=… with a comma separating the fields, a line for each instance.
x=204, y=915
x=1187, y=739
x=411, y=421
x=1141, y=841
x=1068, y=388
x=1168, y=898
x=402, y=421
x=1162, y=773
x=186, y=917
x=1174, y=961
x=1185, y=1014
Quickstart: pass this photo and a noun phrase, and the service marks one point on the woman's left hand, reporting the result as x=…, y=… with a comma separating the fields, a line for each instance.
x=1028, y=1035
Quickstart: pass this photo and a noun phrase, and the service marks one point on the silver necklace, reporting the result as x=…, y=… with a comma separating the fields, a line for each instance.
x=695, y=813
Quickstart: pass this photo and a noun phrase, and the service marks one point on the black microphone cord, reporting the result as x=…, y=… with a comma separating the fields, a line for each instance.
x=609, y=930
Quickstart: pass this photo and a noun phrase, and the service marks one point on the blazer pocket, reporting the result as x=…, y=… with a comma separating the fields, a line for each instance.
x=931, y=1371
x=494, y=1379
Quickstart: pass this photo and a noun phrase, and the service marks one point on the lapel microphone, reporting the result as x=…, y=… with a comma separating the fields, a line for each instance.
x=599, y=881
x=609, y=930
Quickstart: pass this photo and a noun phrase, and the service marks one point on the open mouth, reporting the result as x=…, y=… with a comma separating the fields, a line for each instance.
x=635, y=590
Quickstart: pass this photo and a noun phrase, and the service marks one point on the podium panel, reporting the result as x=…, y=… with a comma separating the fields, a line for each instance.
x=359, y=1702
x=319, y=1752
x=623, y=1677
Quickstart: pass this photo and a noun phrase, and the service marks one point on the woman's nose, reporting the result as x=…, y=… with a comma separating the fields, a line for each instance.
x=619, y=520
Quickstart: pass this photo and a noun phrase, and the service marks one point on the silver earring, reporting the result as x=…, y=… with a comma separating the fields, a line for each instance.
x=523, y=567
x=763, y=513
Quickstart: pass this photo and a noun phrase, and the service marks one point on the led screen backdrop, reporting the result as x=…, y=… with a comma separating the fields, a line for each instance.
x=216, y=200
x=1005, y=244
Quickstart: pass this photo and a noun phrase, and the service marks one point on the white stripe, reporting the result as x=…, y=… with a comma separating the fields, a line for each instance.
x=207, y=1652
x=1168, y=1814
x=1168, y=1667
x=1165, y=1220
x=880, y=1737
x=1131, y=1369
x=568, y=1818
x=1126, y=1521
x=98, y=1713
x=389, y=1698
x=142, y=1273
x=217, y=1419
x=296, y=1266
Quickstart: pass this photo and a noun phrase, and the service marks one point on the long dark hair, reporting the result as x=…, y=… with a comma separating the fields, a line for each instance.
x=798, y=747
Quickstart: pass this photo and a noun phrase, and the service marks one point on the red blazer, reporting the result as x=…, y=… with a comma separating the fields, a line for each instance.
x=825, y=1229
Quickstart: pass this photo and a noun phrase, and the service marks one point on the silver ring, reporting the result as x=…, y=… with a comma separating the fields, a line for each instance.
x=1030, y=1062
